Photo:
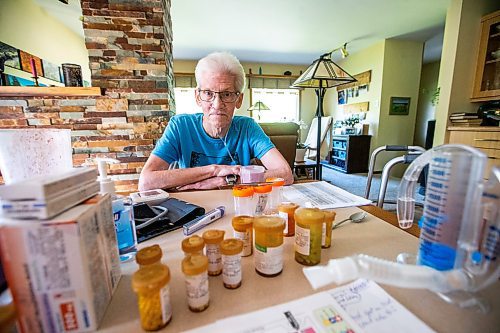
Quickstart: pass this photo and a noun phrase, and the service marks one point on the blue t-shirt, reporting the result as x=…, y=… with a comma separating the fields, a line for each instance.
x=186, y=142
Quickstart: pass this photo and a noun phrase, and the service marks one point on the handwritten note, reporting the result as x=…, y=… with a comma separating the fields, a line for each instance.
x=374, y=310
x=359, y=307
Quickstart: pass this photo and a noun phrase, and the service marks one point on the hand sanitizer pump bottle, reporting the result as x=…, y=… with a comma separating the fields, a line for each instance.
x=122, y=213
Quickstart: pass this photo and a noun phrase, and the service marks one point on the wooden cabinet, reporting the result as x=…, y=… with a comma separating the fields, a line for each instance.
x=487, y=79
x=350, y=153
x=486, y=139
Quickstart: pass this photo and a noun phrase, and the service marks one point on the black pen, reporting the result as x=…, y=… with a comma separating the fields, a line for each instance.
x=291, y=319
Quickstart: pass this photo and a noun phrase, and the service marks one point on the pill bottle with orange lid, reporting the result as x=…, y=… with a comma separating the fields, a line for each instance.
x=243, y=200
x=268, y=256
x=151, y=284
x=212, y=240
x=230, y=249
x=195, y=269
x=286, y=210
x=276, y=196
x=326, y=235
x=243, y=230
x=193, y=245
x=262, y=194
x=308, y=233
x=149, y=255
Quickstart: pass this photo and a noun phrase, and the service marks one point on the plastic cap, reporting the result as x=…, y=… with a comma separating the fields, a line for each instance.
x=213, y=236
x=231, y=246
x=149, y=255
x=107, y=184
x=309, y=216
x=275, y=181
x=263, y=188
x=269, y=223
x=343, y=270
x=194, y=264
x=242, y=222
x=193, y=244
x=242, y=191
x=329, y=215
x=337, y=271
x=150, y=278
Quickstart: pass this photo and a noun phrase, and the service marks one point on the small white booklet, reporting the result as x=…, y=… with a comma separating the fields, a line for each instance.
x=322, y=195
x=359, y=307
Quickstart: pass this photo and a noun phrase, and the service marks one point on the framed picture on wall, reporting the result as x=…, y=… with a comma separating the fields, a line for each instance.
x=26, y=62
x=50, y=71
x=342, y=97
x=9, y=56
x=400, y=106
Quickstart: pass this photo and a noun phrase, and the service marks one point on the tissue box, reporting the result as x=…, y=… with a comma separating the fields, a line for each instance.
x=63, y=271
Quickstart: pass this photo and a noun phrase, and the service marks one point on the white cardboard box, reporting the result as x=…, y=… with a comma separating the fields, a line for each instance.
x=62, y=272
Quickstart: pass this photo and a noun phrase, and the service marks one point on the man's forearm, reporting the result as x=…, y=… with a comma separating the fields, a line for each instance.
x=174, y=178
x=284, y=173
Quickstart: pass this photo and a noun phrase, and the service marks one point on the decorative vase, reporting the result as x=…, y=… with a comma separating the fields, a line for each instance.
x=300, y=154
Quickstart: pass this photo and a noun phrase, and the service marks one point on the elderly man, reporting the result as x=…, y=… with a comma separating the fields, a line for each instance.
x=212, y=145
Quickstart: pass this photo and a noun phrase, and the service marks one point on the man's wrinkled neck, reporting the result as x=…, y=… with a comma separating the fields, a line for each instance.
x=214, y=131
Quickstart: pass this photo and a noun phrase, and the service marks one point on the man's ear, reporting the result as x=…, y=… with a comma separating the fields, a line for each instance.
x=197, y=97
x=239, y=101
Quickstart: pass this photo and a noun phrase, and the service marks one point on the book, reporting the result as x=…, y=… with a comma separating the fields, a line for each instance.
x=469, y=121
x=460, y=114
x=464, y=117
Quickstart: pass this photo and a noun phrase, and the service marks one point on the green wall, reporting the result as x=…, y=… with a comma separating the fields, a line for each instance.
x=395, y=66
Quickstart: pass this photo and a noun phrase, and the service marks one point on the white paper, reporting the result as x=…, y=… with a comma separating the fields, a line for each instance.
x=374, y=310
x=316, y=313
x=322, y=195
x=359, y=307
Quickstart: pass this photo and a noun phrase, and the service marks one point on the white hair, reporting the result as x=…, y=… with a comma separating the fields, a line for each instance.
x=223, y=62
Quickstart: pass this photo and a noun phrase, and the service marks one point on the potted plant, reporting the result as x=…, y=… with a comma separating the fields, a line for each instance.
x=300, y=152
x=349, y=124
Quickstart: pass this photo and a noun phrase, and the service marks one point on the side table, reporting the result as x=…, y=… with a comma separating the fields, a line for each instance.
x=307, y=168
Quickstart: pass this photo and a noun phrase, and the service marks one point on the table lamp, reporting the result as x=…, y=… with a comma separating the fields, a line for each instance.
x=258, y=106
x=322, y=74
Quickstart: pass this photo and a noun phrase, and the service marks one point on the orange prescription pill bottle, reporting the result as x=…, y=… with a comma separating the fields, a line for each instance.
x=326, y=235
x=151, y=283
x=243, y=230
x=276, y=196
x=286, y=210
x=212, y=240
x=262, y=194
x=195, y=269
x=268, y=256
x=243, y=200
x=308, y=231
x=231, y=262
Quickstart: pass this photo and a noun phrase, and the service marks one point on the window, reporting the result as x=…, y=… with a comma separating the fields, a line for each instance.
x=185, y=101
x=283, y=104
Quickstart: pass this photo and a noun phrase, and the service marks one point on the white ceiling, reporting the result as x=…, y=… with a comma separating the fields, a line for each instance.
x=298, y=31
x=289, y=31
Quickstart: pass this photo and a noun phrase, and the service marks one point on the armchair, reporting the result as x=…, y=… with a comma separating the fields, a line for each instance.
x=284, y=136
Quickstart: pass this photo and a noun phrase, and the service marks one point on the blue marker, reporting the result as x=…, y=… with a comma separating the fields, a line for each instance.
x=204, y=220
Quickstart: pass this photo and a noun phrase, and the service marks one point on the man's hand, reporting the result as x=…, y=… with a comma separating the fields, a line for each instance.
x=224, y=170
x=206, y=184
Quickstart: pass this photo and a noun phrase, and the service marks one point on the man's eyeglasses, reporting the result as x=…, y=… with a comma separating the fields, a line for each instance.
x=225, y=96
